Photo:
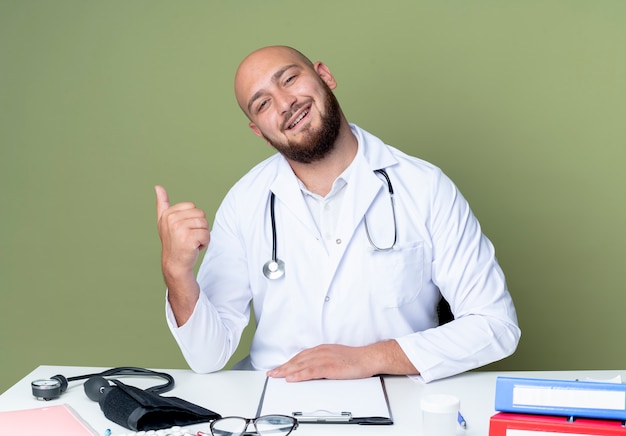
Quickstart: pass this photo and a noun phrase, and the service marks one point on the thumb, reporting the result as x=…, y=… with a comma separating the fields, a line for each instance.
x=162, y=200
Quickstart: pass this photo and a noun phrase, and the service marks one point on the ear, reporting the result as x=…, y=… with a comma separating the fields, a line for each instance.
x=324, y=72
x=258, y=132
x=255, y=130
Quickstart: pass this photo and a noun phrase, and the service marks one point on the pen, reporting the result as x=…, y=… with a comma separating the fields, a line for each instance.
x=461, y=420
x=107, y=432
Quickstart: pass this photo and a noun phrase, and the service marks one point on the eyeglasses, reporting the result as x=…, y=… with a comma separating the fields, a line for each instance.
x=271, y=425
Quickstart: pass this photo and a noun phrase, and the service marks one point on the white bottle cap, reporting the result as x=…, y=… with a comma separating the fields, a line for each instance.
x=440, y=403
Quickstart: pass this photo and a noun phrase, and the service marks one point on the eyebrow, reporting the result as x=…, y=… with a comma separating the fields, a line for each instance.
x=275, y=77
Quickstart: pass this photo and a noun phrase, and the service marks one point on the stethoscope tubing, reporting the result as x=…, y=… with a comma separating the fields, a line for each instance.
x=273, y=219
x=275, y=268
x=393, y=213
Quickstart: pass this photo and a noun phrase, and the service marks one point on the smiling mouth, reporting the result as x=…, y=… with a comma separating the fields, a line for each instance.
x=297, y=120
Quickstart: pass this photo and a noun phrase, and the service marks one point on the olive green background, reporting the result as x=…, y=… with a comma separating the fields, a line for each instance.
x=522, y=103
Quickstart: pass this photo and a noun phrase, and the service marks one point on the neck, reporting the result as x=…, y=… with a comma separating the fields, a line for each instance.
x=319, y=176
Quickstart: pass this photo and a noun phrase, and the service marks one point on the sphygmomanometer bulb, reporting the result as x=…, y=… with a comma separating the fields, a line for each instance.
x=95, y=387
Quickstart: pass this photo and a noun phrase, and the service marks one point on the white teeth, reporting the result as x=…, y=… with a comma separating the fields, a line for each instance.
x=298, y=119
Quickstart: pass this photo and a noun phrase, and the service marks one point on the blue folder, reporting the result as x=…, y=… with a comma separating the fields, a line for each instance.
x=571, y=398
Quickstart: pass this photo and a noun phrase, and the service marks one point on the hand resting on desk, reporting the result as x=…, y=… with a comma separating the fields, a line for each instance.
x=344, y=362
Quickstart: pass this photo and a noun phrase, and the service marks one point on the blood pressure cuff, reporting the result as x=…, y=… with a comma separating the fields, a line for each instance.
x=139, y=410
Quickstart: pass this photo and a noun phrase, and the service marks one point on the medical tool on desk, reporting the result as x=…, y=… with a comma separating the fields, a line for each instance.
x=131, y=407
x=49, y=389
x=275, y=268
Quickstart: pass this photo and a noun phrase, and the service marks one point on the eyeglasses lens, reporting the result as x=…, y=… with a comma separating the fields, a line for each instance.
x=229, y=427
x=270, y=425
x=274, y=425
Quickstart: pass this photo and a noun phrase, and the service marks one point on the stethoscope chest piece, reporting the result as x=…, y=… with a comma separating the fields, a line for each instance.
x=274, y=269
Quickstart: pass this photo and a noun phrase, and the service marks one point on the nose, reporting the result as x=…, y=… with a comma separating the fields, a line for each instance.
x=285, y=101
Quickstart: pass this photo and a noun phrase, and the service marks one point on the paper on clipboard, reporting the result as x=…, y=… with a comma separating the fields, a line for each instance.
x=362, y=401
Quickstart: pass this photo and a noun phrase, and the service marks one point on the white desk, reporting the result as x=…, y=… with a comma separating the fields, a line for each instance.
x=238, y=392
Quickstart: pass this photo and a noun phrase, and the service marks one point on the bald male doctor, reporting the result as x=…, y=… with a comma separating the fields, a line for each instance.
x=370, y=240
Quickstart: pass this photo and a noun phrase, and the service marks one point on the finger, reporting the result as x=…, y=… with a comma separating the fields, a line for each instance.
x=162, y=200
x=275, y=373
x=203, y=241
x=282, y=370
x=295, y=364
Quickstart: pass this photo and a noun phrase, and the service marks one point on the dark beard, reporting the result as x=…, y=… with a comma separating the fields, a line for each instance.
x=317, y=144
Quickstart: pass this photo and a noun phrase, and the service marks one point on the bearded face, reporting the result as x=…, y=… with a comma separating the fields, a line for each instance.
x=315, y=143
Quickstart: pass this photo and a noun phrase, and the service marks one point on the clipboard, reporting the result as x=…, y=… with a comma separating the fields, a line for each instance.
x=361, y=401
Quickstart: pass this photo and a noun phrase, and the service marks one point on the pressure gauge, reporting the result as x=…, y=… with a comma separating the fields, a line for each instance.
x=49, y=389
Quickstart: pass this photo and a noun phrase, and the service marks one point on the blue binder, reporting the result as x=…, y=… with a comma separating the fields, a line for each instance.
x=571, y=398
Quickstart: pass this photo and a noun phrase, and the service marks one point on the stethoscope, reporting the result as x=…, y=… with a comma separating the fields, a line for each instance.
x=275, y=268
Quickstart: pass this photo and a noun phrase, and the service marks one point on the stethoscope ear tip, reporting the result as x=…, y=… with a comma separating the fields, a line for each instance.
x=274, y=269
